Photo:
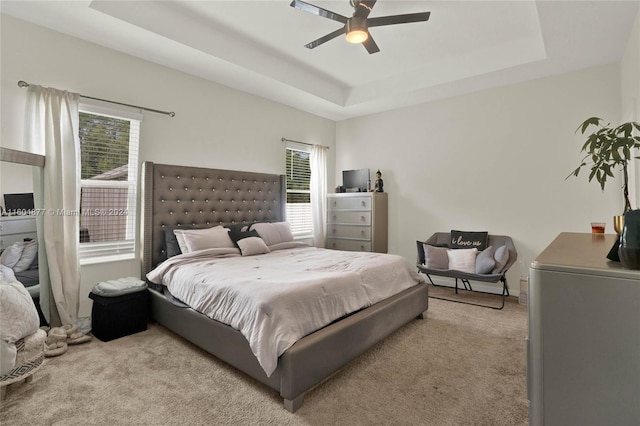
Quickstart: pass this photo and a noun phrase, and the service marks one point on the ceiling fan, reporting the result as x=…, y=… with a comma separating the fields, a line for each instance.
x=357, y=27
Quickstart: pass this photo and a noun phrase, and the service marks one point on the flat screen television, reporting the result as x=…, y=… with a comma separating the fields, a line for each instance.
x=356, y=180
x=18, y=203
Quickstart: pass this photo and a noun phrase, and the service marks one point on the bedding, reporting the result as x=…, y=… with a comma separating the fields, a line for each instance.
x=22, y=259
x=11, y=255
x=200, y=239
x=273, y=233
x=276, y=298
x=29, y=253
x=18, y=317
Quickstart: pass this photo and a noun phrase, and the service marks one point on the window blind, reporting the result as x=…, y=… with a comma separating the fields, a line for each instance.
x=109, y=173
x=298, y=173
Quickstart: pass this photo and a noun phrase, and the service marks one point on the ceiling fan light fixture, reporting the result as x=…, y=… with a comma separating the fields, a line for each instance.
x=356, y=30
x=357, y=36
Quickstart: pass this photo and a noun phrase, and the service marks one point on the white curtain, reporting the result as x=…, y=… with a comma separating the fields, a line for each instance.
x=318, y=193
x=51, y=129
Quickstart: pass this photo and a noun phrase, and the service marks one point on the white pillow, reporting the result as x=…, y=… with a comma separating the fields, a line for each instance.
x=191, y=240
x=29, y=253
x=274, y=233
x=180, y=237
x=463, y=260
x=11, y=255
x=250, y=246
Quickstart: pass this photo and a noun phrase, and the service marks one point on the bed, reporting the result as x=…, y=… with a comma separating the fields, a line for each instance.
x=181, y=196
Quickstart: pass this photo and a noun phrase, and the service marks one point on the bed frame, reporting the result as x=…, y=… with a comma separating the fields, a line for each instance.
x=180, y=195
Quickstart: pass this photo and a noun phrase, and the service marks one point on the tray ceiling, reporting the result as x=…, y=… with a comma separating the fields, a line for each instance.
x=258, y=46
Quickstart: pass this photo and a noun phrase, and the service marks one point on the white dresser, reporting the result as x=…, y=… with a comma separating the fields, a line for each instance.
x=16, y=228
x=357, y=221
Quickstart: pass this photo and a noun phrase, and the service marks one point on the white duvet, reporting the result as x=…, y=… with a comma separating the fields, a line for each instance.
x=277, y=298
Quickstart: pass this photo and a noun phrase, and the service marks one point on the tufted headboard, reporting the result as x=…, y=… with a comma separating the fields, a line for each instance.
x=200, y=197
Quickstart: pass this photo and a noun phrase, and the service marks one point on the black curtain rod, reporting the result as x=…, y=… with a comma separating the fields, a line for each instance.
x=24, y=84
x=303, y=143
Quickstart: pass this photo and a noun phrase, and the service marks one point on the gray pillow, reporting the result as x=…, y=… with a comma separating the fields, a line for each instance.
x=171, y=242
x=435, y=257
x=485, y=261
x=501, y=257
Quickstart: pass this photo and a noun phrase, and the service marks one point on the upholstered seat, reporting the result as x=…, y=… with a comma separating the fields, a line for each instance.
x=29, y=359
x=443, y=239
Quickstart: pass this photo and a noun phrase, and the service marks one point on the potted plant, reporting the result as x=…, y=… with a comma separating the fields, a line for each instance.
x=608, y=149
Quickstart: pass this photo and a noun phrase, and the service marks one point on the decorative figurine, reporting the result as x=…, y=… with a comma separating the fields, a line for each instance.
x=379, y=183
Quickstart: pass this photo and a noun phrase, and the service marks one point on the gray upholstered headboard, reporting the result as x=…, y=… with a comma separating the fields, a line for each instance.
x=180, y=195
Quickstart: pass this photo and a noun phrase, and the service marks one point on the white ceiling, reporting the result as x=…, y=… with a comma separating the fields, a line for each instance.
x=258, y=46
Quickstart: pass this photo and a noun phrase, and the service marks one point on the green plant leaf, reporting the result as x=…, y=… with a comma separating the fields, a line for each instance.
x=608, y=171
x=607, y=148
x=615, y=154
x=588, y=122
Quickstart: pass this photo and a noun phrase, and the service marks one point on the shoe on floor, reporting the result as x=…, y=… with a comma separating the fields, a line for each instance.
x=56, y=342
x=75, y=336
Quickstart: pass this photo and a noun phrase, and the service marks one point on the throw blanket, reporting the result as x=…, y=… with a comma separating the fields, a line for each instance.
x=277, y=298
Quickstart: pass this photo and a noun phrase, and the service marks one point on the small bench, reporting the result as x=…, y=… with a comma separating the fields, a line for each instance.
x=443, y=239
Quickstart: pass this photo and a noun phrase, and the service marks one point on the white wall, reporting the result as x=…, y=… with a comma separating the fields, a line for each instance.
x=630, y=85
x=215, y=126
x=495, y=160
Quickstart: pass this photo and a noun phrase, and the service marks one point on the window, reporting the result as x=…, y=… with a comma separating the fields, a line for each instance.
x=298, y=190
x=108, y=182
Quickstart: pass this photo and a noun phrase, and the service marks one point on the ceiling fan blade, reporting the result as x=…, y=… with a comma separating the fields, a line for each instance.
x=315, y=10
x=398, y=19
x=325, y=39
x=370, y=45
x=364, y=8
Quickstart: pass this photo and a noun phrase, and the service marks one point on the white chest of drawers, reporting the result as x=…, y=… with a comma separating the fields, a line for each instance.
x=357, y=221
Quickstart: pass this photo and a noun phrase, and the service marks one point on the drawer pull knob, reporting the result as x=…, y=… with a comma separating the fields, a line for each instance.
x=334, y=231
x=334, y=217
x=363, y=203
x=362, y=232
x=362, y=248
x=362, y=218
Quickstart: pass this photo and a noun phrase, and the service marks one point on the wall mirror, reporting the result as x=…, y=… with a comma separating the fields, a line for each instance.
x=22, y=173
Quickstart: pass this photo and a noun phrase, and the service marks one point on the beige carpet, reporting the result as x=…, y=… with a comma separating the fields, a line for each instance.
x=462, y=365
